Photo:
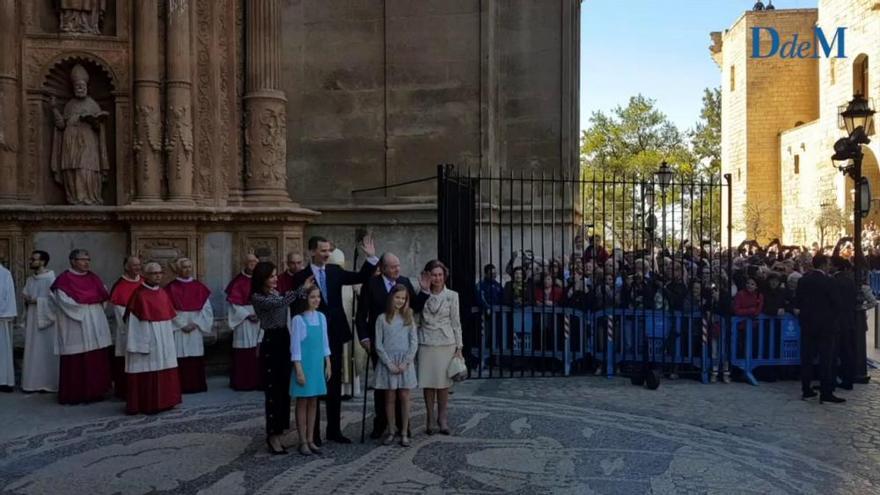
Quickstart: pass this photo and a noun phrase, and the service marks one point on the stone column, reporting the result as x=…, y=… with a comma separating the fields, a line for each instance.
x=148, y=128
x=8, y=101
x=265, y=105
x=179, y=123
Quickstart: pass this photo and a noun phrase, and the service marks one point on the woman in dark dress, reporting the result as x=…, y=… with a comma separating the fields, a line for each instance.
x=272, y=310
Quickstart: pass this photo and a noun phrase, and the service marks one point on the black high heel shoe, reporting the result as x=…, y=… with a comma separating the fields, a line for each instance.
x=272, y=449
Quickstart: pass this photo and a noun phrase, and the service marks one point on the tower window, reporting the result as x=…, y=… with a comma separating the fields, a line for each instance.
x=860, y=76
x=733, y=78
x=797, y=164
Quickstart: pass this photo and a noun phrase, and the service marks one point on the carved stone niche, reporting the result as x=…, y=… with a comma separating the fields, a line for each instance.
x=72, y=17
x=164, y=244
x=270, y=242
x=58, y=84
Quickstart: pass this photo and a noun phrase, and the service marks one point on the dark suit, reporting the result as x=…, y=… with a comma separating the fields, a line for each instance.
x=372, y=303
x=338, y=330
x=819, y=303
x=846, y=323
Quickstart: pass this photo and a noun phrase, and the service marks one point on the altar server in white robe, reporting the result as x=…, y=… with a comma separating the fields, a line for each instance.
x=120, y=293
x=39, y=372
x=83, y=332
x=194, y=320
x=151, y=357
x=8, y=312
x=246, y=372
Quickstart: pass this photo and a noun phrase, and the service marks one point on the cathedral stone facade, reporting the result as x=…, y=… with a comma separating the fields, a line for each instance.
x=214, y=128
x=780, y=118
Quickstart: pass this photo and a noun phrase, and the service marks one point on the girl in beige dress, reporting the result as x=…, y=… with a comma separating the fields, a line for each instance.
x=439, y=341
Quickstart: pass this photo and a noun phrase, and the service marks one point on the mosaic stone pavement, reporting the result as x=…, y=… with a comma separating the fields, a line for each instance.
x=533, y=435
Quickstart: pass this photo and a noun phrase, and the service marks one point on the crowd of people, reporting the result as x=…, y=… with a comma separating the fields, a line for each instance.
x=289, y=330
x=751, y=281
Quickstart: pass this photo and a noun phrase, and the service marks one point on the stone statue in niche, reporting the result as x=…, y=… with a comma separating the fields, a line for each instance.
x=79, y=144
x=81, y=16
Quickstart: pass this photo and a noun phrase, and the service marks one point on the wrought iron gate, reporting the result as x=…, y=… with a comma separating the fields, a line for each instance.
x=576, y=260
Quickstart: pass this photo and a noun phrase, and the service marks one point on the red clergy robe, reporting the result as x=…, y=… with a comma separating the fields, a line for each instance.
x=151, y=358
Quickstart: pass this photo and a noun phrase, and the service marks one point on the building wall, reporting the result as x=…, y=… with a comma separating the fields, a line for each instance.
x=381, y=92
x=778, y=95
x=734, y=98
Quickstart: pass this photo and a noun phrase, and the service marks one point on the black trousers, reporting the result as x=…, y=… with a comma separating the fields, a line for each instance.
x=825, y=346
x=380, y=419
x=333, y=400
x=847, y=354
x=275, y=354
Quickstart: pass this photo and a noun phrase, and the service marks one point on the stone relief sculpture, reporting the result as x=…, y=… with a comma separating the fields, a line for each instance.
x=81, y=16
x=79, y=145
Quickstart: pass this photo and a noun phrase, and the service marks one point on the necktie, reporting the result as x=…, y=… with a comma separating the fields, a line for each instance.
x=389, y=286
x=322, y=283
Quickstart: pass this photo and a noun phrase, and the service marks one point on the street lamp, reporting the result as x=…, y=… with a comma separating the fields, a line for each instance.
x=663, y=178
x=858, y=117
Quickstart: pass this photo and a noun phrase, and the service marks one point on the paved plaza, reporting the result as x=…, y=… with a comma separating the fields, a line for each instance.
x=524, y=435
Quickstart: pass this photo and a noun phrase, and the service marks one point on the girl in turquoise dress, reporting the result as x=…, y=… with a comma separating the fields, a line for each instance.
x=310, y=351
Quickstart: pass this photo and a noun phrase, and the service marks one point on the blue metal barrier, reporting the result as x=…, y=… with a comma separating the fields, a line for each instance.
x=674, y=337
x=764, y=341
x=617, y=336
x=535, y=332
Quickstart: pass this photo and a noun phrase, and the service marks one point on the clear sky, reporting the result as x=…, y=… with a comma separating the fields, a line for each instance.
x=659, y=48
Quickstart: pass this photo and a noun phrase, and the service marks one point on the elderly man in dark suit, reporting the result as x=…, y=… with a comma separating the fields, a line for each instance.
x=330, y=279
x=818, y=303
x=372, y=303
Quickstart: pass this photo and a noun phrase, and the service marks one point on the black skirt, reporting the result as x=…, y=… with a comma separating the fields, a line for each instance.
x=275, y=354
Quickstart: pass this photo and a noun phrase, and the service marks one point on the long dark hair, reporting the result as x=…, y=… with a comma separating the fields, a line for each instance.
x=261, y=273
x=302, y=304
x=405, y=312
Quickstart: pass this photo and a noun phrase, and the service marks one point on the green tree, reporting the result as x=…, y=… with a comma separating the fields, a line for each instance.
x=705, y=141
x=625, y=147
x=634, y=139
x=706, y=135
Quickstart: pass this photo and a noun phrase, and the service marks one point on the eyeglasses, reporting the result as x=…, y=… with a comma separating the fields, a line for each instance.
x=82, y=259
x=154, y=273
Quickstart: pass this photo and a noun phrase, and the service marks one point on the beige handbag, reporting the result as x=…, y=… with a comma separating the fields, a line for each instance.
x=457, y=370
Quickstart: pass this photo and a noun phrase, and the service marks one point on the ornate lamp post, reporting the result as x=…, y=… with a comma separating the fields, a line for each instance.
x=857, y=117
x=663, y=177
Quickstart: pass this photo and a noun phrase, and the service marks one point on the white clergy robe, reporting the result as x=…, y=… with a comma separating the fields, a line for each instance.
x=246, y=334
x=8, y=312
x=40, y=369
x=192, y=344
x=150, y=346
x=81, y=327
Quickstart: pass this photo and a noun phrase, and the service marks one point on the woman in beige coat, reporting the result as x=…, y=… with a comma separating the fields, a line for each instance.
x=439, y=341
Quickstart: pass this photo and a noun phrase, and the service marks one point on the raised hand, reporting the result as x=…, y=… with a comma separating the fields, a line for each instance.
x=368, y=245
x=310, y=282
x=425, y=281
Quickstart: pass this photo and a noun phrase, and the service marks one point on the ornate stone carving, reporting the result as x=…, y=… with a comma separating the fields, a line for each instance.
x=147, y=142
x=178, y=93
x=8, y=145
x=44, y=53
x=81, y=16
x=265, y=104
x=206, y=97
x=179, y=142
x=79, y=158
x=148, y=128
x=227, y=98
x=266, y=145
